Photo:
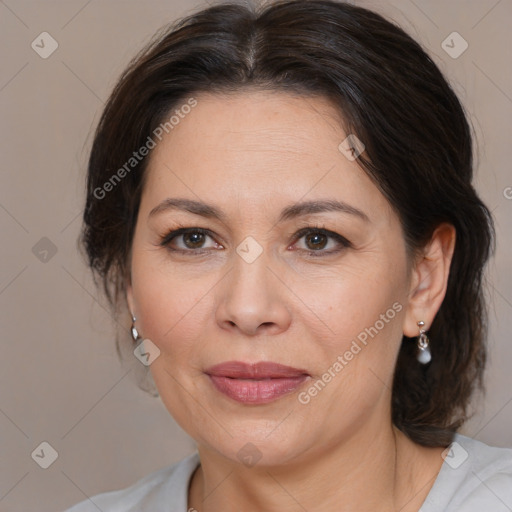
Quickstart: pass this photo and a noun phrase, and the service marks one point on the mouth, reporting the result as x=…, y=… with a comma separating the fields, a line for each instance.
x=257, y=383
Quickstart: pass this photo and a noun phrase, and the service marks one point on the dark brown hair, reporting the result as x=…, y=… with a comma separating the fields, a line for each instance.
x=391, y=96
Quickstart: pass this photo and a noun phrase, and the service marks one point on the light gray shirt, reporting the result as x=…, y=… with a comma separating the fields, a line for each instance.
x=474, y=477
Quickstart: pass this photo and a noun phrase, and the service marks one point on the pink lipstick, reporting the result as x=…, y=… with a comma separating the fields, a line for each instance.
x=257, y=383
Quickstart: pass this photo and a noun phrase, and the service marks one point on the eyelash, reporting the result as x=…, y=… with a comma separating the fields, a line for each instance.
x=316, y=229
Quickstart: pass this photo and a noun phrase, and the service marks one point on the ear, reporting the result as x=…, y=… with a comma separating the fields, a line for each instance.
x=429, y=280
x=129, y=298
x=129, y=295
x=130, y=301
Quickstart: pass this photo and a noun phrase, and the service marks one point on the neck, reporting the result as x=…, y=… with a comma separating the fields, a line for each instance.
x=380, y=469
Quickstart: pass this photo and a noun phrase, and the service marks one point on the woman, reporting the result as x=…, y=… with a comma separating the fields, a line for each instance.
x=282, y=200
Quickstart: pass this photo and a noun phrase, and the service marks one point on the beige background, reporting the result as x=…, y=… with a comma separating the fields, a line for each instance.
x=60, y=379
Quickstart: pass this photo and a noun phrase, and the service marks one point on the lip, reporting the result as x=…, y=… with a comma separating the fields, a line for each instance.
x=257, y=383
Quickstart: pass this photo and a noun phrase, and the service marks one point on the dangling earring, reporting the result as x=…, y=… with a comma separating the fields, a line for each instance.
x=135, y=333
x=424, y=356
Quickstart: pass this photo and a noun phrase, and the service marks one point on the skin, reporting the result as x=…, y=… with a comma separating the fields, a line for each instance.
x=251, y=154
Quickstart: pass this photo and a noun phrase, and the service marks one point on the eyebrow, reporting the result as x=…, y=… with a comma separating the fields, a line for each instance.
x=288, y=213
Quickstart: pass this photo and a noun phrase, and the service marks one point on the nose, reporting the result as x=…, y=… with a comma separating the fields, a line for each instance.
x=253, y=299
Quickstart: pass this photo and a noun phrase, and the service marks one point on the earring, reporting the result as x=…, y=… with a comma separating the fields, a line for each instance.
x=135, y=333
x=424, y=356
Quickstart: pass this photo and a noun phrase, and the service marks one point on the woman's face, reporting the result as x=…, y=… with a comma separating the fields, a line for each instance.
x=255, y=287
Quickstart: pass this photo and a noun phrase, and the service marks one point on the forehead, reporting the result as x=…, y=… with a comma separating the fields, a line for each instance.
x=271, y=123
x=259, y=148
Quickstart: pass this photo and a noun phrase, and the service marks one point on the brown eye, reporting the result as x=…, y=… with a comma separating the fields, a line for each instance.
x=321, y=242
x=193, y=240
x=316, y=241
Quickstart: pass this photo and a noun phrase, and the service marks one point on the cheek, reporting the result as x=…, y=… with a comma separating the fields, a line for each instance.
x=169, y=308
x=168, y=301
x=361, y=301
x=355, y=360
x=363, y=308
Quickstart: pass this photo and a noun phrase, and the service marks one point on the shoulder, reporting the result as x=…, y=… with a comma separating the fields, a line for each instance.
x=474, y=477
x=167, y=486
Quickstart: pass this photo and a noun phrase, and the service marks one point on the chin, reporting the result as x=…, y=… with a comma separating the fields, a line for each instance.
x=257, y=442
